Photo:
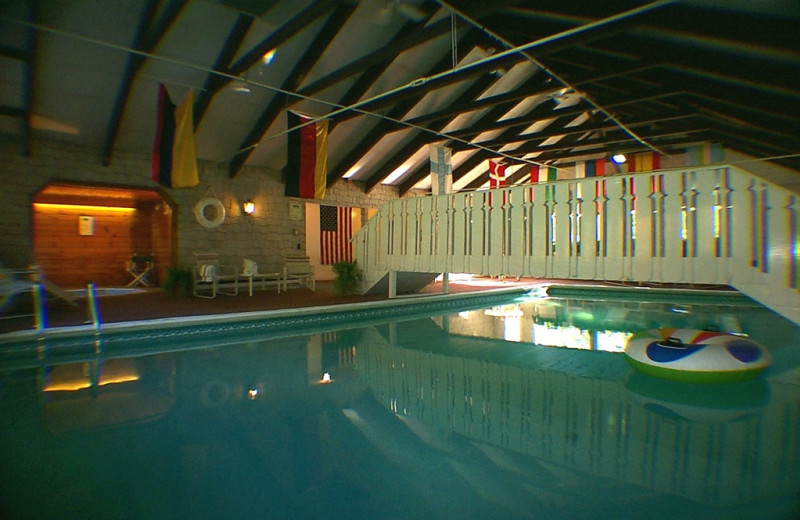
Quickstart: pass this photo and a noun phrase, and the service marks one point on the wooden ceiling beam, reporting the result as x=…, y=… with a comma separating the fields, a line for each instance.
x=511, y=134
x=215, y=82
x=373, y=72
x=604, y=126
x=324, y=38
x=273, y=41
x=547, y=111
x=397, y=112
x=732, y=29
x=148, y=34
x=615, y=140
x=481, y=155
x=545, y=87
x=496, y=112
x=423, y=138
x=574, y=149
x=536, y=49
x=735, y=102
x=732, y=64
x=410, y=35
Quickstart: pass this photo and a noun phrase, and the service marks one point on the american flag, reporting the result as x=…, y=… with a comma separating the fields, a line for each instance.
x=335, y=232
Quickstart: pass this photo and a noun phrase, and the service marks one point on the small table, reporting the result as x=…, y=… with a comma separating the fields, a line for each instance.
x=263, y=278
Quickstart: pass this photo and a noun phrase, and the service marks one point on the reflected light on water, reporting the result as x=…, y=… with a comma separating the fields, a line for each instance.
x=79, y=376
x=71, y=386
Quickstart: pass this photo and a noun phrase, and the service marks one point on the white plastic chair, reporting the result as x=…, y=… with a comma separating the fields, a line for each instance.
x=212, y=278
x=298, y=272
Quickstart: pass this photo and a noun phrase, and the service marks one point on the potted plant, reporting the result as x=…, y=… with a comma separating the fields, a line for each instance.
x=348, y=277
x=179, y=281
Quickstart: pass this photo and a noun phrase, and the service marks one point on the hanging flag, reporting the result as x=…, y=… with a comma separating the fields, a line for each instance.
x=307, y=158
x=600, y=167
x=539, y=173
x=543, y=173
x=497, y=175
x=335, y=232
x=441, y=170
x=703, y=154
x=646, y=162
x=497, y=178
x=596, y=168
x=174, y=160
x=580, y=169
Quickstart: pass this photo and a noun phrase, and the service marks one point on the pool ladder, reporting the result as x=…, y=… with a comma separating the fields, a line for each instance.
x=40, y=307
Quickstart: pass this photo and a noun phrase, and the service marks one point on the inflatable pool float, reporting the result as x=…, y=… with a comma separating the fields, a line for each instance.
x=696, y=356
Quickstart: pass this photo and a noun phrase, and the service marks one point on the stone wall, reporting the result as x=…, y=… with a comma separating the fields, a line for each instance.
x=266, y=236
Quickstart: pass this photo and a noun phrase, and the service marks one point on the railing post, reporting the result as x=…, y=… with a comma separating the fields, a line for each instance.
x=711, y=224
x=392, y=284
x=94, y=315
x=91, y=305
x=40, y=307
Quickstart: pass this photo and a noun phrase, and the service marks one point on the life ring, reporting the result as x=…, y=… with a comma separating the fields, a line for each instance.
x=200, y=212
x=214, y=393
x=696, y=356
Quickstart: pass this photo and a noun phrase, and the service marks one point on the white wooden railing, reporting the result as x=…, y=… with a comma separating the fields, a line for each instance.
x=708, y=225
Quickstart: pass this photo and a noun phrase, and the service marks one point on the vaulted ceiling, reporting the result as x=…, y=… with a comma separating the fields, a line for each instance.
x=547, y=81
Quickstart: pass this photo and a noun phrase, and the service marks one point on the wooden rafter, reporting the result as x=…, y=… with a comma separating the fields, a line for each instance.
x=493, y=114
x=214, y=82
x=324, y=38
x=422, y=138
x=397, y=112
x=148, y=35
x=250, y=58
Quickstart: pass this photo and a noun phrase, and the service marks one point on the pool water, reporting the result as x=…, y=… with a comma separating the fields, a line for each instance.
x=525, y=409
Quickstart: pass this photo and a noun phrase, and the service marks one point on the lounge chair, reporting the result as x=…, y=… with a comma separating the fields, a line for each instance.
x=19, y=281
x=298, y=272
x=212, y=278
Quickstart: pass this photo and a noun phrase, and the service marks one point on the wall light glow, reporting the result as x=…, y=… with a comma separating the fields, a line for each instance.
x=80, y=207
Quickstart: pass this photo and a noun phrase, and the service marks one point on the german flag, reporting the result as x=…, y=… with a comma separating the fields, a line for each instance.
x=174, y=160
x=306, y=167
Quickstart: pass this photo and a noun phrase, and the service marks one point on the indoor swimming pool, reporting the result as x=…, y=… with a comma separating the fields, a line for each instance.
x=511, y=405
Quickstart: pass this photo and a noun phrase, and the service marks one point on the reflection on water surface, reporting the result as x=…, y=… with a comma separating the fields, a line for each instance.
x=467, y=415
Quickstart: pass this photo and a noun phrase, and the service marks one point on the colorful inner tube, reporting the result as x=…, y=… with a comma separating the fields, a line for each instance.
x=696, y=356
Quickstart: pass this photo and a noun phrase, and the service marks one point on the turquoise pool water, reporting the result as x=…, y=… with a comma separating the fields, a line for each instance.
x=518, y=406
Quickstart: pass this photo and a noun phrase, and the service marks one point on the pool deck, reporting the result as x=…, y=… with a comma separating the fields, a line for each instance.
x=154, y=303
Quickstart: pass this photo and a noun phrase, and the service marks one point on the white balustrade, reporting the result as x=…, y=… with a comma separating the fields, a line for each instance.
x=709, y=225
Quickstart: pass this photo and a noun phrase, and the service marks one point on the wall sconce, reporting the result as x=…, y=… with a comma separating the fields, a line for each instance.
x=249, y=207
